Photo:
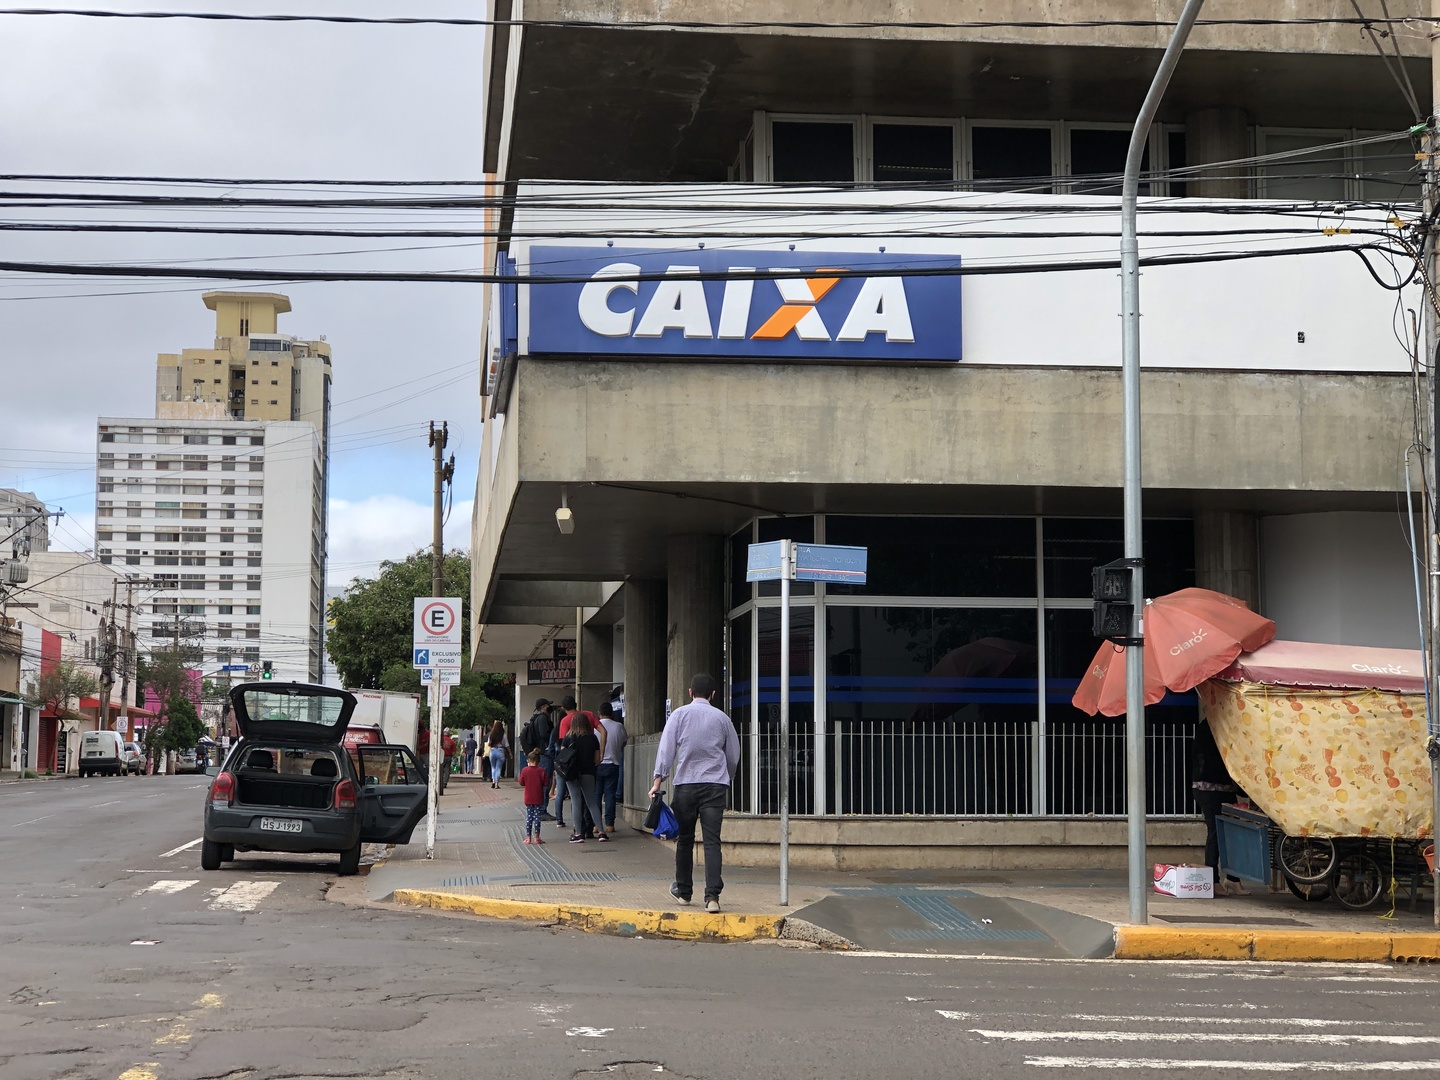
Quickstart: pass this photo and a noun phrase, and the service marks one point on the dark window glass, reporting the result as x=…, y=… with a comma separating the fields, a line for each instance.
x=1086, y=754
x=742, y=706
x=1002, y=158
x=739, y=587
x=933, y=709
x=1102, y=154
x=811, y=152
x=1179, y=159
x=790, y=528
x=1073, y=546
x=914, y=153
x=802, y=710
x=940, y=556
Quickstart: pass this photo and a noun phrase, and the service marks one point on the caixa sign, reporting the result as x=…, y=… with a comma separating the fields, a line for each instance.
x=744, y=303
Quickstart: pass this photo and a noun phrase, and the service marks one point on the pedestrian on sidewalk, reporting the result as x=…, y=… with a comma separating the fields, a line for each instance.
x=532, y=779
x=470, y=747
x=536, y=734
x=562, y=786
x=499, y=744
x=700, y=749
x=607, y=775
x=581, y=781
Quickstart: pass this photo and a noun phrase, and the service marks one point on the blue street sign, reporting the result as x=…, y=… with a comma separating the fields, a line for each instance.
x=235, y=667
x=830, y=562
x=763, y=562
x=422, y=658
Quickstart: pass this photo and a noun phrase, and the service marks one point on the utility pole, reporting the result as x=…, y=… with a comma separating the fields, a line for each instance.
x=439, y=438
x=1431, y=339
x=1130, y=392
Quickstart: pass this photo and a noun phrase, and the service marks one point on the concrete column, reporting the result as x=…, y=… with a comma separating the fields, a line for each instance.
x=645, y=658
x=1227, y=554
x=596, y=665
x=1219, y=134
x=695, y=568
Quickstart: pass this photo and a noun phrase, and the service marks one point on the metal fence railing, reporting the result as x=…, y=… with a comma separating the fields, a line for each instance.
x=947, y=769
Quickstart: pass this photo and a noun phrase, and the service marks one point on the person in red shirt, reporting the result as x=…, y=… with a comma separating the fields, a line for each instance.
x=532, y=779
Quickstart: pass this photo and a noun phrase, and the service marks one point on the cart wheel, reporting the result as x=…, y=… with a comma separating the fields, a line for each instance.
x=1307, y=860
x=1318, y=891
x=1359, y=881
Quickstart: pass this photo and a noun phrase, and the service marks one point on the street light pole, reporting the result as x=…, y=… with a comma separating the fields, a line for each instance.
x=1130, y=392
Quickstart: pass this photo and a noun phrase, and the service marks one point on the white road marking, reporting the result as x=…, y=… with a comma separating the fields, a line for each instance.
x=1328, y=1039
x=1285, y=1021
x=32, y=821
x=1299, y=1068
x=169, y=886
x=244, y=895
x=182, y=847
x=588, y=1032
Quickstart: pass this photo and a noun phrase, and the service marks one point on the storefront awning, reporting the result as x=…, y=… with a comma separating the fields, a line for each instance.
x=7, y=699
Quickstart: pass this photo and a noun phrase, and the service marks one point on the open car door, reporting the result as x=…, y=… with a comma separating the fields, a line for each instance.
x=392, y=793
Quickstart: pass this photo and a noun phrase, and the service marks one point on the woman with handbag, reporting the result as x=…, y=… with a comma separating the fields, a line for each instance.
x=580, y=762
x=499, y=749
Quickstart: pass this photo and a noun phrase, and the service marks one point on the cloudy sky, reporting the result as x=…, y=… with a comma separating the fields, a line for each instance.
x=92, y=97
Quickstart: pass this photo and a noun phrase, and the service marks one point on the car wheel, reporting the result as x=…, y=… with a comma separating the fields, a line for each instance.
x=209, y=855
x=227, y=852
x=350, y=861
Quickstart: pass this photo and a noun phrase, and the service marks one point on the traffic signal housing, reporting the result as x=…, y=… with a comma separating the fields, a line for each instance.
x=1112, y=589
x=267, y=670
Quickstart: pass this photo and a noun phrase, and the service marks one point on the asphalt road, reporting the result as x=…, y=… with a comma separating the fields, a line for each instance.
x=120, y=958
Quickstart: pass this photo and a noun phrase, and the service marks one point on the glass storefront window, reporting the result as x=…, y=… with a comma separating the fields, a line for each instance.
x=802, y=710
x=739, y=587
x=918, y=556
x=1073, y=546
x=932, y=709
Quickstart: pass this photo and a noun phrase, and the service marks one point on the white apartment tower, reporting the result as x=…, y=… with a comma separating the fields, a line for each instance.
x=221, y=498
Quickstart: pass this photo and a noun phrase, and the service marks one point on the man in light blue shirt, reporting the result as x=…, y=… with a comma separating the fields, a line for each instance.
x=701, y=750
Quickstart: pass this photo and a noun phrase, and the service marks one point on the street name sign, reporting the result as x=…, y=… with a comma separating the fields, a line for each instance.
x=831, y=562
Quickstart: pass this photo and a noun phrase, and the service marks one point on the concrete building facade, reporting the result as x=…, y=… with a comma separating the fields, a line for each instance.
x=856, y=285
x=220, y=500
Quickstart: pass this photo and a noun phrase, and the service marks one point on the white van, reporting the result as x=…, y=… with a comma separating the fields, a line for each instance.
x=102, y=752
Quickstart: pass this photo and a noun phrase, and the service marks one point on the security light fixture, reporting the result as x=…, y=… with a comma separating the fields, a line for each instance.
x=564, y=516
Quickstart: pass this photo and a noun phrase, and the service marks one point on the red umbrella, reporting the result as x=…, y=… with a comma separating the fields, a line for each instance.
x=1190, y=635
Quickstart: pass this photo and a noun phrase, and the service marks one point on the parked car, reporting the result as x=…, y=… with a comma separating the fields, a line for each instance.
x=134, y=758
x=290, y=785
x=102, y=752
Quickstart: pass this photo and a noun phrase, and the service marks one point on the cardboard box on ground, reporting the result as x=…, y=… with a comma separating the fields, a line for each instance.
x=1184, y=881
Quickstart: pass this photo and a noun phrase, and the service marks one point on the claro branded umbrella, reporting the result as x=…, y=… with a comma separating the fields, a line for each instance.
x=1190, y=635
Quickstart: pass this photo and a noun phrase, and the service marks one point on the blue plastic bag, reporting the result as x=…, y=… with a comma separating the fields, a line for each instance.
x=669, y=828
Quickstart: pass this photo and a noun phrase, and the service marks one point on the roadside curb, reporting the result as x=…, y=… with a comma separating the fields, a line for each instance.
x=1168, y=943
x=620, y=922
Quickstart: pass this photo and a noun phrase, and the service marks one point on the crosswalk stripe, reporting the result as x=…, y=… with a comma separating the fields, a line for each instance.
x=243, y=895
x=169, y=886
x=1258, y=1021
x=1336, y=1038
x=1299, y=1068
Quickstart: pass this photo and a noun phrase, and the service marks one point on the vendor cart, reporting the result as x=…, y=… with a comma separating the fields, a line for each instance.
x=1329, y=744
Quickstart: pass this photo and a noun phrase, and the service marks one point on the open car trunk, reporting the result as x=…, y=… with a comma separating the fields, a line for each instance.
x=298, y=779
x=299, y=793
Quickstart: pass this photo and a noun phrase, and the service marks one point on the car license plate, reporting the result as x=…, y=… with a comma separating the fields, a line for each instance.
x=279, y=824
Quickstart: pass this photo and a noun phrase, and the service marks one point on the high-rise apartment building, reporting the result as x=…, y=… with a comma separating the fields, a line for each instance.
x=221, y=498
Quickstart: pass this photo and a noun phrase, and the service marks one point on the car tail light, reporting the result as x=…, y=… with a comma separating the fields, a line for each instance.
x=222, y=790
x=345, y=795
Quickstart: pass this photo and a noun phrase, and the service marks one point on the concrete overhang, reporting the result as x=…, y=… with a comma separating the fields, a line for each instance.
x=681, y=102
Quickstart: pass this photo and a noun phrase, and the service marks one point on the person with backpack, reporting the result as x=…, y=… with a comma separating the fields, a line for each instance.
x=536, y=734
x=576, y=762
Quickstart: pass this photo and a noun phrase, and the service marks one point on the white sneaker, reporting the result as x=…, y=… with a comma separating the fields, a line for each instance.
x=712, y=906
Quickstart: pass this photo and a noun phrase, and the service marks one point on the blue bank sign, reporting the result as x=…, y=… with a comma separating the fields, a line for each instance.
x=814, y=305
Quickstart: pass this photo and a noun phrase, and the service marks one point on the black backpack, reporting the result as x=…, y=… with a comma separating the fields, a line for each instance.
x=567, y=760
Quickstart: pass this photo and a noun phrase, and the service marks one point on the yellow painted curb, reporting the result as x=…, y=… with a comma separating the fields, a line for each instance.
x=622, y=922
x=1321, y=945
x=1164, y=943
x=1173, y=943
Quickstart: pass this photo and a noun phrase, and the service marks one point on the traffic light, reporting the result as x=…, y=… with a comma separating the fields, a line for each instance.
x=267, y=670
x=1112, y=588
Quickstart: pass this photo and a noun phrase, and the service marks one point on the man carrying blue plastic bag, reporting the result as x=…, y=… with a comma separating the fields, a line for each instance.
x=700, y=747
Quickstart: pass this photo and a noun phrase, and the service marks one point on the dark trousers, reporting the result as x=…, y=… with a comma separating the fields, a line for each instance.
x=1209, y=803
x=607, y=781
x=705, y=803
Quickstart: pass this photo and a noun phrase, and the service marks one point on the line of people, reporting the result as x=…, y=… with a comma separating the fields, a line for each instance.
x=581, y=757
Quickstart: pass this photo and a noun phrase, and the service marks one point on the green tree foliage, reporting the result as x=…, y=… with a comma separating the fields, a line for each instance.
x=182, y=726
x=60, y=689
x=372, y=628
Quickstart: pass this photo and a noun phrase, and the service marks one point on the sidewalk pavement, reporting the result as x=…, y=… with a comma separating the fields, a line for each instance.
x=482, y=868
